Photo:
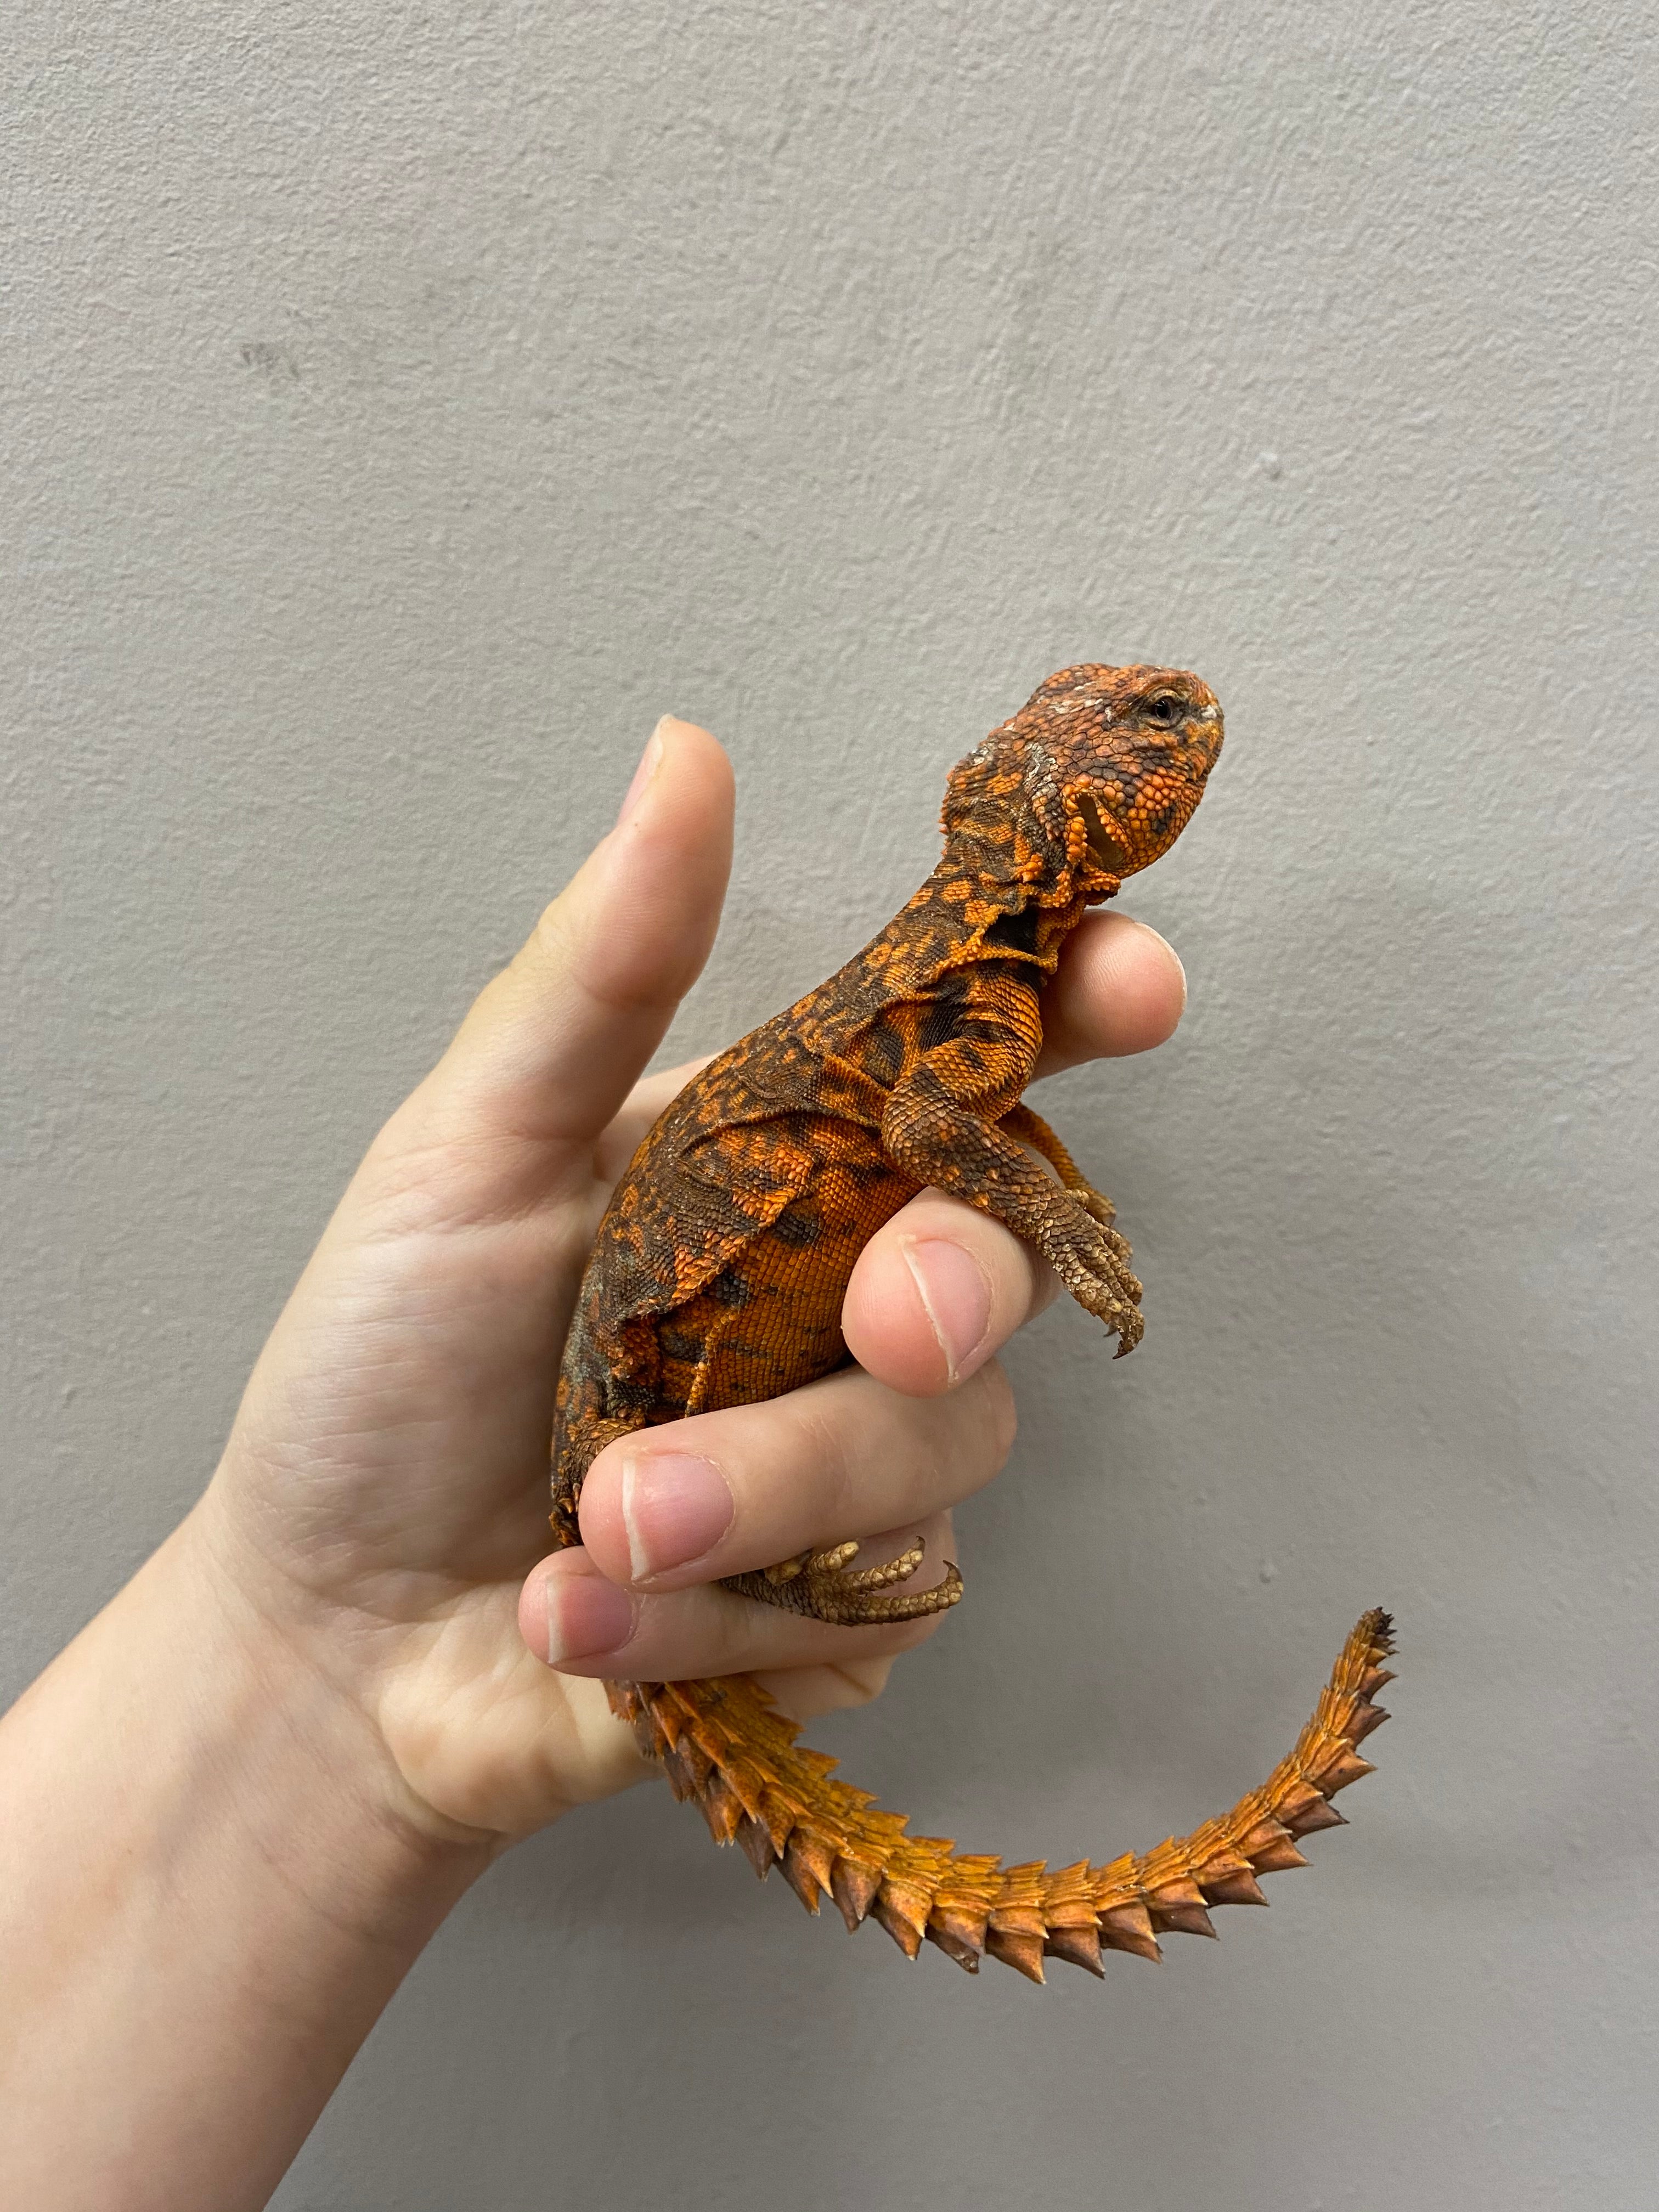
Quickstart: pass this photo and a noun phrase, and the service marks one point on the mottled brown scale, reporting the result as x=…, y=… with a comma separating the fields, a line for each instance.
x=718, y=1271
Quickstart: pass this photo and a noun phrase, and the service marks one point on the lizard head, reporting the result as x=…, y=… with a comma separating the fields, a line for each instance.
x=1095, y=776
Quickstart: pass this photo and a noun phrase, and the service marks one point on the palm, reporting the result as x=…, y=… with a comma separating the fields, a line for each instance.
x=391, y=1460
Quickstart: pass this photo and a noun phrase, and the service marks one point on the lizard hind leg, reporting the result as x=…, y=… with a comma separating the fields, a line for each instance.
x=825, y=1586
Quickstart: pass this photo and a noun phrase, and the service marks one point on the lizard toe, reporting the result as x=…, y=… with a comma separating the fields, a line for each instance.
x=820, y=1585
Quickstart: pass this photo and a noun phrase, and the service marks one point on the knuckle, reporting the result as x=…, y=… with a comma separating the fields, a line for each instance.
x=825, y=1428
x=865, y=1678
x=549, y=942
x=987, y=1405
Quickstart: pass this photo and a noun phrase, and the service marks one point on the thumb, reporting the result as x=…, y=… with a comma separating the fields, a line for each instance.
x=551, y=1047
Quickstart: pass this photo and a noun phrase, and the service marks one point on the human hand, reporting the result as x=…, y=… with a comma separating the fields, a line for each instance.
x=387, y=1480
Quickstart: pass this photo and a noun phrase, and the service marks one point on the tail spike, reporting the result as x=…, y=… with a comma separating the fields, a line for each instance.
x=889, y=1910
x=1269, y=1848
x=808, y=1861
x=721, y=1807
x=695, y=1761
x=1304, y=1811
x=1079, y=1945
x=778, y=1817
x=679, y=1775
x=854, y=1885
x=957, y=1937
x=1018, y=1948
x=1318, y=1817
x=1182, y=1920
x=1129, y=1928
x=1238, y=1885
x=1349, y=1768
x=757, y=1846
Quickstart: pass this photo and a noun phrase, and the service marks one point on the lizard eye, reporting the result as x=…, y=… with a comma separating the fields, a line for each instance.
x=1166, y=710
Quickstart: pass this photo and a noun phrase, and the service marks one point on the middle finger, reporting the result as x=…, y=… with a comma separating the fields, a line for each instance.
x=731, y=1492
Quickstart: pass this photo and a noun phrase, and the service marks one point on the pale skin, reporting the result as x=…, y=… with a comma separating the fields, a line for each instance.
x=242, y=1800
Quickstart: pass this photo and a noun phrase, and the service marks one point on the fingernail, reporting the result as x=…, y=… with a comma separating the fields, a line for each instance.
x=956, y=1295
x=674, y=1508
x=1180, y=970
x=586, y=1616
x=643, y=774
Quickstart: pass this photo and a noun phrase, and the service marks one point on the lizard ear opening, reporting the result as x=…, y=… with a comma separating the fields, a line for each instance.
x=1106, y=849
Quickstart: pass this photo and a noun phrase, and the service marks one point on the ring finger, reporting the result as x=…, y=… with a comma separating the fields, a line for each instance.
x=589, y=1627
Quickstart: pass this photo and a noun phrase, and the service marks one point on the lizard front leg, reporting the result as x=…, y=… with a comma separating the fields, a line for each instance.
x=941, y=1125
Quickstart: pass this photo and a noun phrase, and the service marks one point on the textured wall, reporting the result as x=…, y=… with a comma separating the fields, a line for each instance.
x=404, y=406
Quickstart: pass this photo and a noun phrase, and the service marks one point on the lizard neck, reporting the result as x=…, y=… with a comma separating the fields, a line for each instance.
x=1011, y=833
x=973, y=907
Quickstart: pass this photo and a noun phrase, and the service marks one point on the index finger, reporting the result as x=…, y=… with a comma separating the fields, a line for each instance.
x=1119, y=989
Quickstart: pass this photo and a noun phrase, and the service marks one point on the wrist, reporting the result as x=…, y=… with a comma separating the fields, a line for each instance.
x=296, y=1686
x=203, y=1861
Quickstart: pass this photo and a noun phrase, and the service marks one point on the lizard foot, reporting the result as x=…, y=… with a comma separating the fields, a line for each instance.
x=1101, y=1211
x=1092, y=1261
x=1099, y=1208
x=570, y=1466
x=824, y=1586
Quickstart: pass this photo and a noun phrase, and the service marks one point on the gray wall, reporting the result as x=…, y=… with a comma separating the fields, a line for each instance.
x=403, y=408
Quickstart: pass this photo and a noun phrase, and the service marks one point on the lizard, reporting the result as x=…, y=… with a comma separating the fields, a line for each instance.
x=718, y=1272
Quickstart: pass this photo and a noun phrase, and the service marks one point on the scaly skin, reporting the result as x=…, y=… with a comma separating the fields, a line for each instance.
x=724, y=1743
x=718, y=1271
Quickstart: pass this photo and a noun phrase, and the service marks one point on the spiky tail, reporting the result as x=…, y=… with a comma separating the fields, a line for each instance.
x=725, y=1744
